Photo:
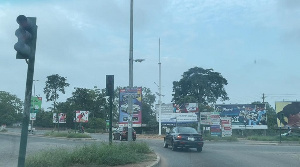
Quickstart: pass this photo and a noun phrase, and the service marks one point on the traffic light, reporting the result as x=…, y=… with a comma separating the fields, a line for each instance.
x=27, y=34
x=109, y=85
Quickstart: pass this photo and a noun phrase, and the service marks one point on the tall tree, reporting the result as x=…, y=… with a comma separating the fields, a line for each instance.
x=10, y=108
x=54, y=85
x=200, y=85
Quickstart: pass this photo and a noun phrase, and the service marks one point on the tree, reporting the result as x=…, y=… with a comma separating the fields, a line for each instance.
x=200, y=85
x=55, y=84
x=10, y=108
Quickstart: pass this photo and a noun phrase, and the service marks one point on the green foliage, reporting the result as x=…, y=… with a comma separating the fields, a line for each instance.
x=44, y=119
x=67, y=135
x=274, y=138
x=55, y=84
x=95, y=154
x=96, y=123
x=217, y=138
x=10, y=108
x=199, y=85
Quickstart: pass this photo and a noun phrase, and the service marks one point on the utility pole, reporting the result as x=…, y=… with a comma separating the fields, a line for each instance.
x=130, y=106
x=263, y=98
x=26, y=46
x=159, y=90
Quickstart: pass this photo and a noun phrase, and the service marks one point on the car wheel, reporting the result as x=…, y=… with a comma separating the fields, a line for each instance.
x=174, y=147
x=199, y=149
x=165, y=144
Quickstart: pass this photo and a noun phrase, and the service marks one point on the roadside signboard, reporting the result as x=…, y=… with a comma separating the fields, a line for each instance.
x=32, y=116
x=215, y=129
x=82, y=116
x=62, y=117
x=36, y=104
x=226, y=126
x=249, y=116
x=288, y=114
x=136, y=94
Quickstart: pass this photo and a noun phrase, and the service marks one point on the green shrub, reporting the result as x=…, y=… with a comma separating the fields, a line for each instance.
x=68, y=135
x=94, y=154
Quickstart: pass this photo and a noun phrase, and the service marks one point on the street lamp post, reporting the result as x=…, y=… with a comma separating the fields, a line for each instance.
x=159, y=87
x=130, y=73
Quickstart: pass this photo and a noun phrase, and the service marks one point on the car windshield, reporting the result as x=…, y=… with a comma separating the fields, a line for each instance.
x=186, y=130
x=89, y=69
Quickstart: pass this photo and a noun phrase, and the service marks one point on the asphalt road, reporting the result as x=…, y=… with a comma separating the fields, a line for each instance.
x=214, y=154
x=231, y=154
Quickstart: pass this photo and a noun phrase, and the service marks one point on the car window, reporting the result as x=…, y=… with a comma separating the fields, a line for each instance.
x=186, y=130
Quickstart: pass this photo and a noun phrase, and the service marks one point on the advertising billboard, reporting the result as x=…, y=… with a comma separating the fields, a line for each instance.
x=215, y=129
x=226, y=126
x=244, y=116
x=82, y=116
x=136, y=94
x=185, y=108
x=288, y=114
x=179, y=118
x=36, y=104
x=62, y=117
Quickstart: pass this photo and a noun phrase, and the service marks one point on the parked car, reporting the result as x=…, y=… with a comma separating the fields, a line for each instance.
x=122, y=133
x=183, y=137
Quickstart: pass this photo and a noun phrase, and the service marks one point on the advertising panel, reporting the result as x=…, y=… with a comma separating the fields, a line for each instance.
x=185, y=108
x=36, y=104
x=136, y=94
x=226, y=126
x=173, y=118
x=165, y=108
x=82, y=116
x=215, y=129
x=62, y=117
x=244, y=116
x=205, y=118
x=288, y=114
x=32, y=116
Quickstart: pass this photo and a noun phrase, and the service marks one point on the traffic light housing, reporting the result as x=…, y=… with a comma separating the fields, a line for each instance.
x=109, y=85
x=26, y=34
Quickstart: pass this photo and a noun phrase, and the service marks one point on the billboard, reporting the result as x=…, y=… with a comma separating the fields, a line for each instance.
x=36, y=104
x=62, y=117
x=136, y=94
x=32, y=116
x=288, y=114
x=165, y=108
x=215, y=129
x=173, y=118
x=226, y=126
x=244, y=116
x=82, y=116
x=185, y=108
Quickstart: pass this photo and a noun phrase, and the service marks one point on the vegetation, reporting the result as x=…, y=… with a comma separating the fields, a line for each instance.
x=217, y=138
x=67, y=135
x=10, y=108
x=200, y=85
x=273, y=138
x=95, y=154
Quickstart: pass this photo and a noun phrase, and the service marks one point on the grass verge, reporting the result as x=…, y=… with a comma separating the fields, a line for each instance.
x=92, y=155
x=67, y=135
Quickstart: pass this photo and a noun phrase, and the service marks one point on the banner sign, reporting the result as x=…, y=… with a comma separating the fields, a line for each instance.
x=165, y=108
x=249, y=116
x=215, y=129
x=185, y=108
x=288, y=114
x=82, y=116
x=136, y=94
x=62, y=117
x=173, y=118
x=226, y=126
x=32, y=116
x=36, y=104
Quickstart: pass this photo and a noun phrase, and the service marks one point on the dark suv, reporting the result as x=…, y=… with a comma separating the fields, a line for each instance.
x=122, y=133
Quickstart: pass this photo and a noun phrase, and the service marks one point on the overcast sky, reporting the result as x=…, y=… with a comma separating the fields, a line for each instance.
x=253, y=44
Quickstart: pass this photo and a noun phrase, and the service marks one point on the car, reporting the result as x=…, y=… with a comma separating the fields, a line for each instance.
x=122, y=133
x=183, y=137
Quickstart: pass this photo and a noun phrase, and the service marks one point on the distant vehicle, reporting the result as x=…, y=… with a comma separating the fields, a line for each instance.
x=122, y=133
x=183, y=137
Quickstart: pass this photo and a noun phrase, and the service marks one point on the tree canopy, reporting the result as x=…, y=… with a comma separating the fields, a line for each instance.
x=200, y=85
x=10, y=108
x=55, y=84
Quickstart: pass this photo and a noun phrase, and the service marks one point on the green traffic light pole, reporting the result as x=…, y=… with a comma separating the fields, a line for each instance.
x=28, y=94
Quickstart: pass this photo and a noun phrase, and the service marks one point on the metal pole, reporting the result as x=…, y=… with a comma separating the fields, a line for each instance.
x=130, y=73
x=110, y=119
x=28, y=94
x=159, y=87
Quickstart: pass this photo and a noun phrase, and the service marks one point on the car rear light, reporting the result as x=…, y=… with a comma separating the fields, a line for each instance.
x=178, y=137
